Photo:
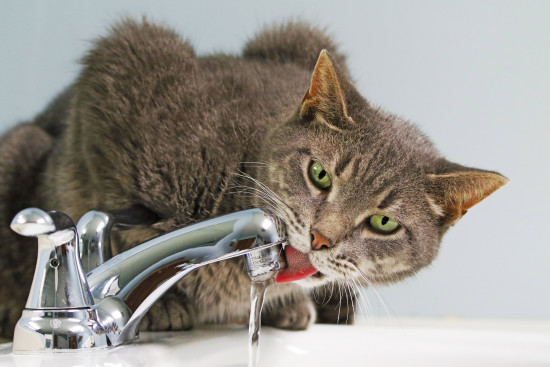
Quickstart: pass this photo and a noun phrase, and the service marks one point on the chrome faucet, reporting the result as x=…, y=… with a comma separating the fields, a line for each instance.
x=68, y=310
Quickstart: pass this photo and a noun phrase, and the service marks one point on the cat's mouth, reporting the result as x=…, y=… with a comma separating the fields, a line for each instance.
x=298, y=266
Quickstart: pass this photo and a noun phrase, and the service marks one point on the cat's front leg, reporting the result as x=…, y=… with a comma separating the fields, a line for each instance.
x=172, y=312
x=297, y=313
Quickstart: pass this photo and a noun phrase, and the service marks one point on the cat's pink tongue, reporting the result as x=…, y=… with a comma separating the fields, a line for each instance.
x=298, y=266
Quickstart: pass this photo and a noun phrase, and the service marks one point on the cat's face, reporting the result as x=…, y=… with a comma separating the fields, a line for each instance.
x=375, y=216
x=363, y=193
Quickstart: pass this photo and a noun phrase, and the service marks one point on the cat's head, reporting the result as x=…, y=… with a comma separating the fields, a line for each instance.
x=363, y=193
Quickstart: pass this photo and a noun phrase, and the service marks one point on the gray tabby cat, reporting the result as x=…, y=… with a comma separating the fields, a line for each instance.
x=173, y=139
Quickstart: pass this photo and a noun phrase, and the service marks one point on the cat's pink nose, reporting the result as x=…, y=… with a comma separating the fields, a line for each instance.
x=319, y=242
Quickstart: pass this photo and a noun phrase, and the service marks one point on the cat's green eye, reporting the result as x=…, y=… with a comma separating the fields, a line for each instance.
x=319, y=176
x=383, y=224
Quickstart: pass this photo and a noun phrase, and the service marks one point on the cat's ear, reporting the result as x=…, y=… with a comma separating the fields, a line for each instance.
x=324, y=101
x=451, y=194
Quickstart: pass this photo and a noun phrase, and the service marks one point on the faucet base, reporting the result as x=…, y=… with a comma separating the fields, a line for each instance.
x=70, y=329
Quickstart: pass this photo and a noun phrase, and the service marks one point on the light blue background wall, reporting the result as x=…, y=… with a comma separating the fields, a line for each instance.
x=474, y=75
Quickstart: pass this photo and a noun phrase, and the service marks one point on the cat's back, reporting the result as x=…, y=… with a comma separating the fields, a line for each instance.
x=146, y=78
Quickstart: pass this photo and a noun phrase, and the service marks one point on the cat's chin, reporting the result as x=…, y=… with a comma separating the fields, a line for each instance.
x=314, y=280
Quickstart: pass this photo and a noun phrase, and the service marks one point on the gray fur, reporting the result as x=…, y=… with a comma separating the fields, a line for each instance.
x=149, y=125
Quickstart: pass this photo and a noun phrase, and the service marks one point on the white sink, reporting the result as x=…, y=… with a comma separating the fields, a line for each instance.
x=423, y=344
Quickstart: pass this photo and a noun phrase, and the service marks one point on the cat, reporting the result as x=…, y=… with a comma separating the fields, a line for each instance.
x=151, y=128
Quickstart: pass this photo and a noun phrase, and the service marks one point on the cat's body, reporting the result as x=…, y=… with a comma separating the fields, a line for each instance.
x=151, y=127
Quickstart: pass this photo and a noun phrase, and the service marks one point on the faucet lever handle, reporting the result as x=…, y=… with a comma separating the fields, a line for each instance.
x=59, y=282
x=94, y=230
x=32, y=222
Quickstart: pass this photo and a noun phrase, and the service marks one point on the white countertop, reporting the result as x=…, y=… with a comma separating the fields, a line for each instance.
x=378, y=342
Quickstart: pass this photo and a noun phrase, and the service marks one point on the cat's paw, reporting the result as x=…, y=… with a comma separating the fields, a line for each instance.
x=171, y=312
x=292, y=316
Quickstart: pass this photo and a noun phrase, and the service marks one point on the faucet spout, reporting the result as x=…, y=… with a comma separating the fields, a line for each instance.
x=125, y=287
x=141, y=275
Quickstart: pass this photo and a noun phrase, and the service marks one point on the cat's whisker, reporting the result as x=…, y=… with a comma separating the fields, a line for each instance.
x=315, y=295
x=254, y=164
x=331, y=290
x=339, y=303
x=283, y=211
x=346, y=298
x=267, y=195
x=262, y=186
x=363, y=300
x=273, y=209
x=247, y=191
x=371, y=285
x=325, y=298
x=365, y=310
x=357, y=294
x=349, y=299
